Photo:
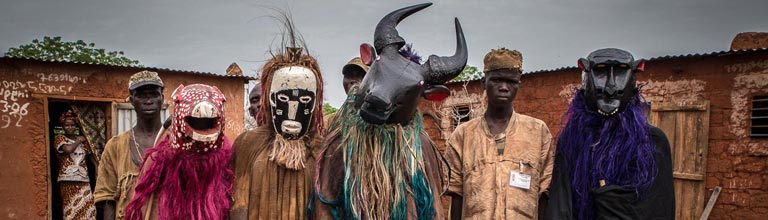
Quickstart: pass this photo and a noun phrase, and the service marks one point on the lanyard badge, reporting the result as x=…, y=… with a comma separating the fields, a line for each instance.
x=520, y=179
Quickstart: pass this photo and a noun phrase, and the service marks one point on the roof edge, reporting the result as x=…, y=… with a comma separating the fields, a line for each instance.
x=667, y=57
x=130, y=66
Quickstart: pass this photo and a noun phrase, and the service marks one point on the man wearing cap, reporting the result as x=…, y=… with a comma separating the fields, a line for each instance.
x=353, y=72
x=501, y=163
x=124, y=153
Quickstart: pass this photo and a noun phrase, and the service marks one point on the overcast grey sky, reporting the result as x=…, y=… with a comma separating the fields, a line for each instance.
x=209, y=35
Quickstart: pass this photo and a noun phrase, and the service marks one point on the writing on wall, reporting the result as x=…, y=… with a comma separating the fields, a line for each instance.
x=233, y=126
x=16, y=91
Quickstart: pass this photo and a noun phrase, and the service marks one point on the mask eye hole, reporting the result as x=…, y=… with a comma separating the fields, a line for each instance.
x=305, y=99
x=282, y=98
x=599, y=69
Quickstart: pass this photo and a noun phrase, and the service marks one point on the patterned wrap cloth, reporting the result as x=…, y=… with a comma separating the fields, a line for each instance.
x=76, y=194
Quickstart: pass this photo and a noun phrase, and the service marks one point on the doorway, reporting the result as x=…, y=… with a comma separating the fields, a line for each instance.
x=92, y=120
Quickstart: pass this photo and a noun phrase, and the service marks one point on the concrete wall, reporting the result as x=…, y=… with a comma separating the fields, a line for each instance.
x=735, y=161
x=23, y=150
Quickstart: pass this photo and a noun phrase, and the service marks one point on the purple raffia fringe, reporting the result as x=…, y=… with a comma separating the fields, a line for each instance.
x=617, y=149
x=408, y=52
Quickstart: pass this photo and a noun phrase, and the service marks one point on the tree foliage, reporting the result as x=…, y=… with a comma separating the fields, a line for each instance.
x=53, y=48
x=469, y=73
x=328, y=109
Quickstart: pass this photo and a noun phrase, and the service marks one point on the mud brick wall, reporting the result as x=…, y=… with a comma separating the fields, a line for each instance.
x=23, y=152
x=735, y=161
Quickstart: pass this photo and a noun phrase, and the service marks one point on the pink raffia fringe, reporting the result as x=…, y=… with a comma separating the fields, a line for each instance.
x=187, y=185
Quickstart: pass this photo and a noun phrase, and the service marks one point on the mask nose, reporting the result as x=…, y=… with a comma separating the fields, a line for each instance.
x=610, y=84
x=377, y=102
x=292, y=108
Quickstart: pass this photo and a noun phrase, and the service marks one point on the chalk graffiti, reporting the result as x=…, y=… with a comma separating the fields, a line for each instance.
x=14, y=94
x=54, y=77
x=12, y=111
x=233, y=126
x=35, y=87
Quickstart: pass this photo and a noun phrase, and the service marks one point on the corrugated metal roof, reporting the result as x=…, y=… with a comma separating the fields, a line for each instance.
x=131, y=66
x=716, y=53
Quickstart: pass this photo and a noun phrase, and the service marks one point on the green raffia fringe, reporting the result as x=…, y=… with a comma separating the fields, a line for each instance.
x=383, y=166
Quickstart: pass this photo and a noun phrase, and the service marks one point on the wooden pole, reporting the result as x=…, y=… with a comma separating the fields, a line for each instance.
x=711, y=203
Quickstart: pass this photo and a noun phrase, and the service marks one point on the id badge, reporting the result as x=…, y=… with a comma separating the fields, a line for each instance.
x=519, y=179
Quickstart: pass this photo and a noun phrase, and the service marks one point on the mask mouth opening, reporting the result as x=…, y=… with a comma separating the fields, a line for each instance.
x=203, y=129
x=201, y=124
x=291, y=127
x=608, y=106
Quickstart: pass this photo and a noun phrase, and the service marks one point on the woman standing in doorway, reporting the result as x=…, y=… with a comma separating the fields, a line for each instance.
x=72, y=151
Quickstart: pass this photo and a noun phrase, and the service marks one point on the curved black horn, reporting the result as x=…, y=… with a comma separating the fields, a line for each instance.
x=442, y=69
x=386, y=33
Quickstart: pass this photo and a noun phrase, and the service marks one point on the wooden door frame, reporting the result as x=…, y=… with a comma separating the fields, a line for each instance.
x=46, y=99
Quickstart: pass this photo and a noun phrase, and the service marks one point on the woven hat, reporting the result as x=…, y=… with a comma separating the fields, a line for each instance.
x=503, y=58
x=144, y=78
x=354, y=63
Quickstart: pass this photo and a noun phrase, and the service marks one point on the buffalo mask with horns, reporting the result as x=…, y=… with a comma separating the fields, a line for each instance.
x=391, y=89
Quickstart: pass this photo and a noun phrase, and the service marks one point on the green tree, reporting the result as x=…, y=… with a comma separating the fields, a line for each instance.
x=53, y=48
x=469, y=73
x=328, y=109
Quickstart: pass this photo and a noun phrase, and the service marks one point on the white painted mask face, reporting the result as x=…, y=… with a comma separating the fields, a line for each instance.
x=292, y=100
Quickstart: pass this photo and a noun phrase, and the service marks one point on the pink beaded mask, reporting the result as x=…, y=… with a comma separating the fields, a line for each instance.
x=198, y=118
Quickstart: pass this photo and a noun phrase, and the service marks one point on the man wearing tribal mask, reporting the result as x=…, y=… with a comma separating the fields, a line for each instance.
x=187, y=175
x=610, y=163
x=274, y=163
x=378, y=162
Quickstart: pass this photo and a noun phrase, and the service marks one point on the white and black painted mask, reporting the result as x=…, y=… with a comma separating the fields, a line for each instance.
x=608, y=79
x=292, y=101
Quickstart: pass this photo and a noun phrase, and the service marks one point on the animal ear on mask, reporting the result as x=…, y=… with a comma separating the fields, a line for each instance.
x=436, y=93
x=177, y=93
x=367, y=54
x=638, y=65
x=583, y=64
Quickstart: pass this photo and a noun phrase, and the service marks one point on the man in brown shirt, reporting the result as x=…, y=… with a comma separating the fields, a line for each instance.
x=500, y=163
x=124, y=153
